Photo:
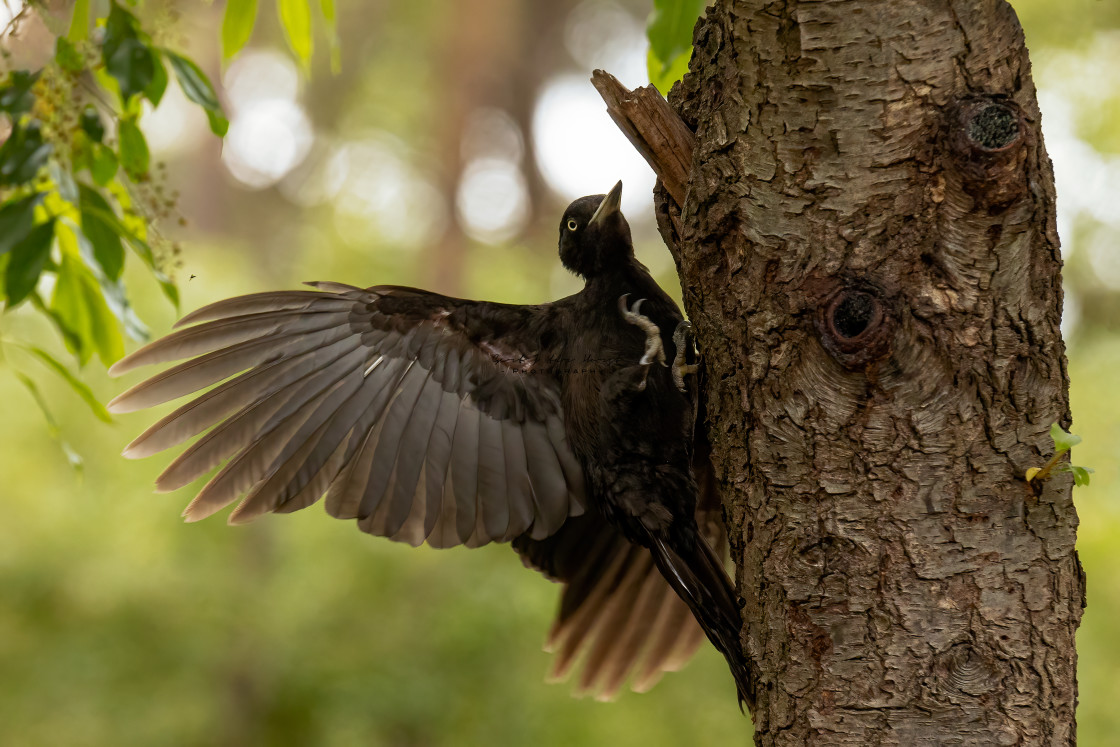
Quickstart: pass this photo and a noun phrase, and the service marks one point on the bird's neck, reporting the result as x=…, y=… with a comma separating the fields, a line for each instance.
x=626, y=277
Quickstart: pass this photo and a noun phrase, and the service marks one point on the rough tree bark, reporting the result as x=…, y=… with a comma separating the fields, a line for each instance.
x=868, y=251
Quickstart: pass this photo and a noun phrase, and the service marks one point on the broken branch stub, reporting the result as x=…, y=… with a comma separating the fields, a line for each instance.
x=655, y=130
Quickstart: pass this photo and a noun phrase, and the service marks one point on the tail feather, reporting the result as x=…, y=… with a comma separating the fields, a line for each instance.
x=698, y=577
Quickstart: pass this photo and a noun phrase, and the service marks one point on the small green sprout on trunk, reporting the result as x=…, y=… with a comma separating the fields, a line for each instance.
x=1063, y=442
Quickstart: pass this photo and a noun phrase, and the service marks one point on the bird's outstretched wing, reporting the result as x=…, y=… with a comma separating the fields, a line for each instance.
x=619, y=619
x=421, y=416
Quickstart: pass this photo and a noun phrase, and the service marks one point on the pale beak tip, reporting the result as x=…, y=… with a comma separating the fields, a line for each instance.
x=610, y=204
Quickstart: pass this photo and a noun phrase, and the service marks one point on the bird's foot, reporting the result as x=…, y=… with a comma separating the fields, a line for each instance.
x=682, y=341
x=655, y=350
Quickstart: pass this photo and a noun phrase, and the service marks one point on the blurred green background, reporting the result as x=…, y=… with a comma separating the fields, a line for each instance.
x=440, y=156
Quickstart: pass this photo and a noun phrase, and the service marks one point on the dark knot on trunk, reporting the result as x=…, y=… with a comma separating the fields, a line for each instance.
x=988, y=139
x=855, y=325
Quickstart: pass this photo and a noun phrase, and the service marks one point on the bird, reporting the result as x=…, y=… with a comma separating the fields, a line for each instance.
x=558, y=427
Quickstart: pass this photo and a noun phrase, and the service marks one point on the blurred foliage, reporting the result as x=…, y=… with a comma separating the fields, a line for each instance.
x=240, y=18
x=121, y=626
x=670, y=40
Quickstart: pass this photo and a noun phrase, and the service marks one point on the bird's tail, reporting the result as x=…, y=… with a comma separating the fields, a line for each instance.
x=699, y=578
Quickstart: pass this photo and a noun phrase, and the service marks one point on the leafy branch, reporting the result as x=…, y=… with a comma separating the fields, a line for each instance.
x=75, y=198
x=77, y=190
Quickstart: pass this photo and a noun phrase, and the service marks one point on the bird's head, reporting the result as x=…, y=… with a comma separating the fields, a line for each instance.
x=594, y=236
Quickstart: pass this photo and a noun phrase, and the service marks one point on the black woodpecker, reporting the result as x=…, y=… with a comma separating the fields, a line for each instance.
x=557, y=427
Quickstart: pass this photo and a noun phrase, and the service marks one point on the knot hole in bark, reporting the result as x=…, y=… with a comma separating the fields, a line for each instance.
x=853, y=314
x=854, y=325
x=964, y=669
x=989, y=135
x=993, y=127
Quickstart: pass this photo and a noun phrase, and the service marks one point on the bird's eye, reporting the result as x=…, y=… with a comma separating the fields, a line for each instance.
x=572, y=225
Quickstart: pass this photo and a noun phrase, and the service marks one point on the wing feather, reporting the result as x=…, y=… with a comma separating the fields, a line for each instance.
x=253, y=303
x=464, y=472
x=409, y=485
x=373, y=512
x=493, y=511
x=211, y=368
x=247, y=389
x=243, y=471
x=223, y=333
x=546, y=477
x=439, y=527
x=307, y=452
x=518, y=487
x=253, y=426
x=618, y=619
x=410, y=411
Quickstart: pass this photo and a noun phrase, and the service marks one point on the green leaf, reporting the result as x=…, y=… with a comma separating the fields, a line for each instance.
x=139, y=247
x=67, y=56
x=112, y=291
x=41, y=306
x=126, y=57
x=73, y=457
x=64, y=182
x=670, y=28
x=91, y=124
x=26, y=263
x=15, y=96
x=133, y=67
x=1063, y=440
x=107, y=247
x=194, y=82
x=92, y=200
x=295, y=17
x=105, y=214
x=237, y=25
x=108, y=250
x=23, y=154
x=16, y=219
x=663, y=77
x=75, y=383
x=103, y=166
x=1080, y=475
x=52, y=424
x=155, y=90
x=119, y=25
x=82, y=309
x=116, y=300
x=219, y=125
x=135, y=157
x=79, y=23
x=69, y=309
x=197, y=87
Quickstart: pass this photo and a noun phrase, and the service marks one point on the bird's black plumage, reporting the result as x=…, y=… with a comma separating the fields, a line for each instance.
x=447, y=421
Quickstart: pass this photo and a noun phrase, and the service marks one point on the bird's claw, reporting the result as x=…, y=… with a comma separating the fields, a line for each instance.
x=655, y=349
x=682, y=339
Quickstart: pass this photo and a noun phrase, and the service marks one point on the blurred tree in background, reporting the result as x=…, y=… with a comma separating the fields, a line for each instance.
x=377, y=141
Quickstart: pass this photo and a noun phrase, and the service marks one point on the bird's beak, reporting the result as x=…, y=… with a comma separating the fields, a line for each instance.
x=609, y=206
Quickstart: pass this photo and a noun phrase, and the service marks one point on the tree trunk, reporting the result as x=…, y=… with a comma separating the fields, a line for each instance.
x=868, y=252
